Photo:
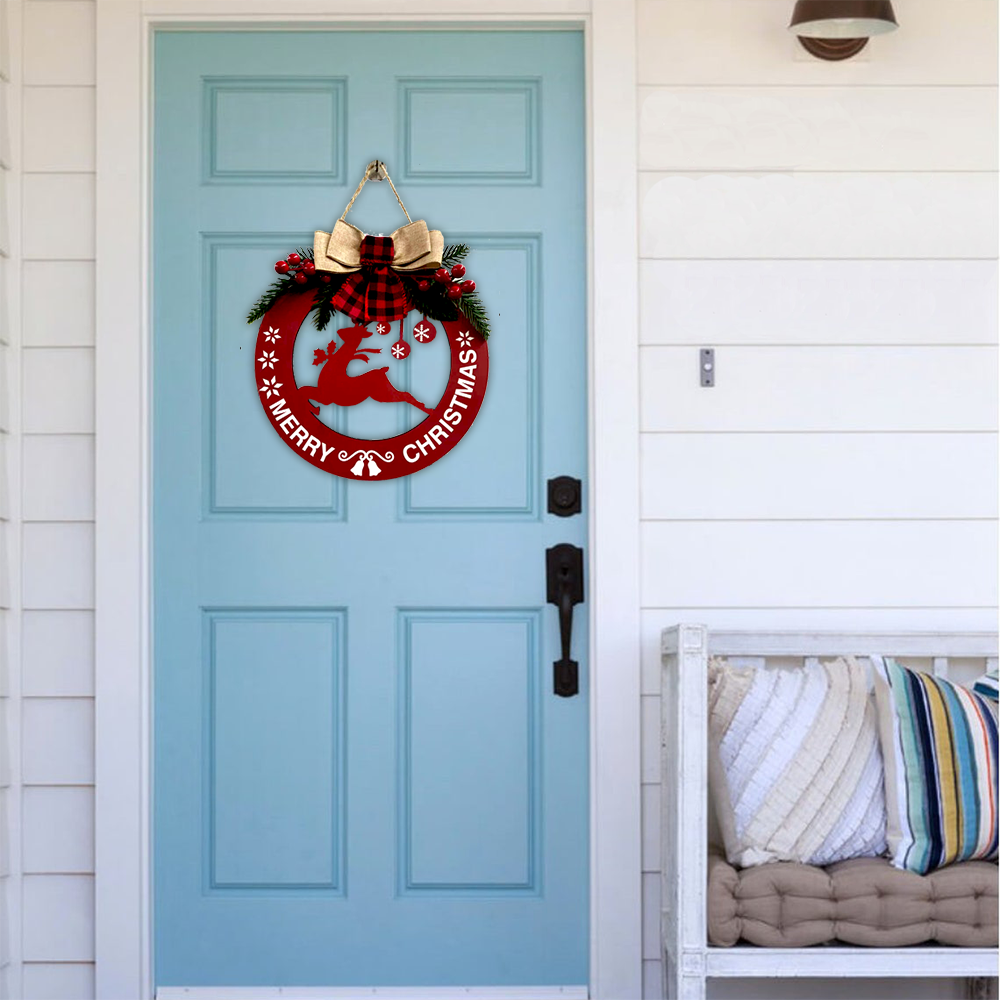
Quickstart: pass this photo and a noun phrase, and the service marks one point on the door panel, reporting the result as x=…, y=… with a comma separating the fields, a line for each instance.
x=362, y=776
x=469, y=774
x=275, y=755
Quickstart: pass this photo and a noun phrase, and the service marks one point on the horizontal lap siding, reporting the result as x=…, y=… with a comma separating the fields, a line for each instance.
x=864, y=303
x=822, y=389
x=862, y=128
x=56, y=482
x=818, y=215
x=820, y=475
x=9, y=859
x=830, y=229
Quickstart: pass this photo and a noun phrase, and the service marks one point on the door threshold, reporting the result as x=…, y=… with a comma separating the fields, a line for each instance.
x=367, y=992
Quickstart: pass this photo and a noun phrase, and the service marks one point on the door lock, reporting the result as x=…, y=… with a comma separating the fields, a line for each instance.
x=564, y=496
x=564, y=578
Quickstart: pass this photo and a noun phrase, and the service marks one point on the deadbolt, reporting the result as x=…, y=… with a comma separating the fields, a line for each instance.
x=565, y=494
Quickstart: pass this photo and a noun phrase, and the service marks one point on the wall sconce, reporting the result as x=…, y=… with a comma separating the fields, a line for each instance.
x=839, y=29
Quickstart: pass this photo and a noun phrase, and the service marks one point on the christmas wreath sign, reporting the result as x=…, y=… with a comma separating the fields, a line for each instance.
x=373, y=281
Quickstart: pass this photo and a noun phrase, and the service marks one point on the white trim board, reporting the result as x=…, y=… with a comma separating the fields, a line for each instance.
x=367, y=992
x=123, y=853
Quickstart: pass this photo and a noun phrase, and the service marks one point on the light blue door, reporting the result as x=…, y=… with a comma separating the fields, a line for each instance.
x=362, y=774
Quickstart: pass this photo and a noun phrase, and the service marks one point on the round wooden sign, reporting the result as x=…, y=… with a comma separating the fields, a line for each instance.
x=293, y=409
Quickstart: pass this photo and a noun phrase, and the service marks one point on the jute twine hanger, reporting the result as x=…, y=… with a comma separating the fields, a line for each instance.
x=376, y=171
x=415, y=247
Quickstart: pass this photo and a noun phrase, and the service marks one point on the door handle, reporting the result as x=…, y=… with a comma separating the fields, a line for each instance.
x=564, y=579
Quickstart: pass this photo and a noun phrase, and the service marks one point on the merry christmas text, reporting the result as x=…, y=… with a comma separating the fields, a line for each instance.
x=296, y=433
x=452, y=416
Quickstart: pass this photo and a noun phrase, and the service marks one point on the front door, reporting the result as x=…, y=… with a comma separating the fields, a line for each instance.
x=363, y=776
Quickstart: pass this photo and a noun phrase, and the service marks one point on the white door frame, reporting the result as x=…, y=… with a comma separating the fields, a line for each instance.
x=123, y=393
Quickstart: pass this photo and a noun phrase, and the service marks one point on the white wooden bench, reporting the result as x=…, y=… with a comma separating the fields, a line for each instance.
x=688, y=958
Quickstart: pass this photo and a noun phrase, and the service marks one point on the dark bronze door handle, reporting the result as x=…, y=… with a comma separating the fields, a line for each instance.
x=564, y=578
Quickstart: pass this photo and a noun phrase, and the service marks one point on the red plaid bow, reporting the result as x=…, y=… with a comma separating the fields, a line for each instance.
x=374, y=292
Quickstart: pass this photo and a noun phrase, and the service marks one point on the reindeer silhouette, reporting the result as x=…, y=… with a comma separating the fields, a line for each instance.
x=336, y=386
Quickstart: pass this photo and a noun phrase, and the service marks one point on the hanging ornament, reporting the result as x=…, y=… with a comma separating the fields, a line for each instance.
x=424, y=332
x=372, y=280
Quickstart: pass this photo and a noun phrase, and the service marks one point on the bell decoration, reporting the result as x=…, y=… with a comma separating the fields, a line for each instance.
x=358, y=469
x=373, y=468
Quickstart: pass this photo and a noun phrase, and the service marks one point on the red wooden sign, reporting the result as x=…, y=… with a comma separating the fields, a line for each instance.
x=293, y=409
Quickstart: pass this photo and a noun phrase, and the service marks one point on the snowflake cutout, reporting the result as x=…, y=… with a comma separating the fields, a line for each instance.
x=423, y=332
x=465, y=338
x=271, y=335
x=382, y=328
x=267, y=359
x=271, y=386
x=399, y=350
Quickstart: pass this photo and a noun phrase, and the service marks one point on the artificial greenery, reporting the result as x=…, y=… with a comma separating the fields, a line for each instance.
x=324, y=291
x=475, y=312
x=453, y=254
x=432, y=303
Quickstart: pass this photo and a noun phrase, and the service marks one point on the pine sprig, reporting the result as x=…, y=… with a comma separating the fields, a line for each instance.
x=453, y=254
x=474, y=311
x=323, y=304
x=275, y=290
x=325, y=291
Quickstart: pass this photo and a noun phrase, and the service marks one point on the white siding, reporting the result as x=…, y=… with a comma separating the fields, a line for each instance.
x=839, y=302
x=9, y=690
x=56, y=494
x=830, y=229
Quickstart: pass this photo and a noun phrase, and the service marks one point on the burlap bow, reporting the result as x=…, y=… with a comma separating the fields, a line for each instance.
x=372, y=291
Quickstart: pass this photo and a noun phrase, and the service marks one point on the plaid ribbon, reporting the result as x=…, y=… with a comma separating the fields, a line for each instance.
x=374, y=292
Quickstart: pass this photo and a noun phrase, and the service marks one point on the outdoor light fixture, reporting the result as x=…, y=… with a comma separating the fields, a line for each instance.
x=839, y=29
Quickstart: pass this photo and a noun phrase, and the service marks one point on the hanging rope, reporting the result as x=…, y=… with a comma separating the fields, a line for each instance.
x=376, y=171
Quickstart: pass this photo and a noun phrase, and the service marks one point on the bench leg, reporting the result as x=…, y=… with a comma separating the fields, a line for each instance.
x=980, y=988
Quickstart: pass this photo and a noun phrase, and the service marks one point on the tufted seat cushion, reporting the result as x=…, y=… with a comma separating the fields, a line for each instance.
x=863, y=901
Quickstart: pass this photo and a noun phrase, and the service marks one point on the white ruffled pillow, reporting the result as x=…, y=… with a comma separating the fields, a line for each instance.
x=795, y=769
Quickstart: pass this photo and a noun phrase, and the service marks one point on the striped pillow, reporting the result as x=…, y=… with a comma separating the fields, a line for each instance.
x=987, y=685
x=795, y=769
x=939, y=742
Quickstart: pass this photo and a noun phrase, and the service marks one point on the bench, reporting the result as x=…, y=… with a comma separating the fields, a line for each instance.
x=689, y=958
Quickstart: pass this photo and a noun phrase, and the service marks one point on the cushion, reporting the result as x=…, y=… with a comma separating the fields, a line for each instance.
x=864, y=901
x=795, y=770
x=939, y=741
x=987, y=685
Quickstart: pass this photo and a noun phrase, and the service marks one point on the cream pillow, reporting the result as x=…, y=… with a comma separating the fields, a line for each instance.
x=795, y=769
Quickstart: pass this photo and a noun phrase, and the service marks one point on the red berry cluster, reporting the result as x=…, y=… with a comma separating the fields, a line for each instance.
x=300, y=270
x=455, y=288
